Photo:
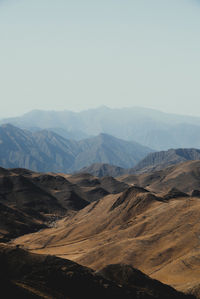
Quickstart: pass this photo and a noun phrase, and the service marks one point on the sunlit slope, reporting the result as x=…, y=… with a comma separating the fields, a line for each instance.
x=184, y=176
x=159, y=237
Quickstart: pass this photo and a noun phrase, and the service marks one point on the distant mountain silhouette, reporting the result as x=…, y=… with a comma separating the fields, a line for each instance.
x=74, y=135
x=40, y=151
x=152, y=162
x=47, y=151
x=160, y=160
x=108, y=149
x=148, y=127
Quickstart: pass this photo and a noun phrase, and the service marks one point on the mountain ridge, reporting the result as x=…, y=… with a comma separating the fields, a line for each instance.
x=159, y=160
x=183, y=176
x=103, y=169
x=30, y=201
x=151, y=128
x=47, y=151
x=157, y=235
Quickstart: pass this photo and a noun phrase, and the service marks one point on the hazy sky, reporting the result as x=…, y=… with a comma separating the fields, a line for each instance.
x=78, y=54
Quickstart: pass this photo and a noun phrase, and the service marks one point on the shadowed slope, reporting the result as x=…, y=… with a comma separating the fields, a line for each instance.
x=31, y=201
x=160, y=237
x=159, y=160
x=38, y=276
x=19, y=192
x=14, y=223
x=103, y=169
x=134, y=279
x=95, y=188
x=184, y=176
x=68, y=195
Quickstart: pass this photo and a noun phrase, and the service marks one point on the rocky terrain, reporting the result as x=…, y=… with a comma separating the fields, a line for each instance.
x=148, y=222
x=158, y=235
x=183, y=176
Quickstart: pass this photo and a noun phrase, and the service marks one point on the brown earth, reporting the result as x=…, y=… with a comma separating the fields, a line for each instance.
x=155, y=230
x=24, y=275
x=30, y=201
x=184, y=176
x=161, y=237
x=158, y=160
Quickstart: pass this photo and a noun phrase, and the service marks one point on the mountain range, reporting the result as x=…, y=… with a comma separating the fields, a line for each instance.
x=148, y=221
x=103, y=155
x=151, y=128
x=152, y=162
x=184, y=176
x=160, y=160
x=155, y=230
x=30, y=201
x=86, y=208
x=104, y=169
x=47, y=151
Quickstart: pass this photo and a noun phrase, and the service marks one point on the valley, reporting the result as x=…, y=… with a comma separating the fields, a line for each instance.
x=147, y=221
x=99, y=149
x=126, y=213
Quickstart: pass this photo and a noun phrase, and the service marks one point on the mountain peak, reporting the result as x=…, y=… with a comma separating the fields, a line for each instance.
x=127, y=195
x=9, y=126
x=45, y=150
x=105, y=136
x=159, y=160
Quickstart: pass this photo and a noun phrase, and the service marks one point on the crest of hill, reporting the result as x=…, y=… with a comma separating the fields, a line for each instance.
x=25, y=275
x=152, y=162
x=156, y=235
x=20, y=192
x=25, y=207
x=108, y=149
x=46, y=151
x=68, y=195
x=84, y=179
x=112, y=185
x=41, y=151
x=111, y=212
x=159, y=160
x=183, y=176
x=132, y=278
x=103, y=169
x=31, y=201
x=108, y=183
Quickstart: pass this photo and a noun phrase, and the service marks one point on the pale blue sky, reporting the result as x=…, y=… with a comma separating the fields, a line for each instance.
x=81, y=54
